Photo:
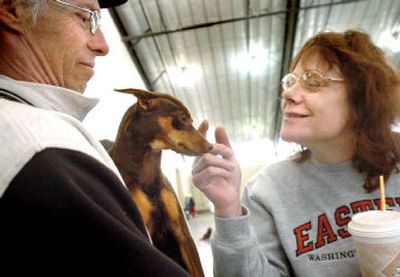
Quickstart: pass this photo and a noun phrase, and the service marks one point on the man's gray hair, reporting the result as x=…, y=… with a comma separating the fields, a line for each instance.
x=33, y=7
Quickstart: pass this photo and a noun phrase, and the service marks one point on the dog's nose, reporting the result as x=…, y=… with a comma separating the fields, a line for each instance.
x=209, y=146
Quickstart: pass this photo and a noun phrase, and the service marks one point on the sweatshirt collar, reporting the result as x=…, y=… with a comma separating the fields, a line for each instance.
x=336, y=168
x=50, y=97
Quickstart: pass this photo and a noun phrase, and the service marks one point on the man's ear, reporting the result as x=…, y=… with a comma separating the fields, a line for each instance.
x=12, y=16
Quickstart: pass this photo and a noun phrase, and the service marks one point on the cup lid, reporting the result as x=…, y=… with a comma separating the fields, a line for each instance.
x=372, y=224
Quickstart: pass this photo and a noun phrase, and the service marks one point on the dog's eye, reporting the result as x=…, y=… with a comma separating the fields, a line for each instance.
x=177, y=124
x=184, y=119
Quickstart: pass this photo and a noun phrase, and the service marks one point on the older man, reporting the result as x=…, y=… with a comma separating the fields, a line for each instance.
x=64, y=209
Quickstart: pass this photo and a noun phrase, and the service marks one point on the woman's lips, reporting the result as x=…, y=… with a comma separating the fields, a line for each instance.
x=294, y=115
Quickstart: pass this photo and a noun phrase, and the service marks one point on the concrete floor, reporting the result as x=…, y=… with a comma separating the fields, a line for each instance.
x=199, y=225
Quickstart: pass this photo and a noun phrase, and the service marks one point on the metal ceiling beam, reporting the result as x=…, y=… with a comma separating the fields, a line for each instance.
x=156, y=44
x=130, y=45
x=292, y=14
x=248, y=76
x=231, y=20
x=203, y=25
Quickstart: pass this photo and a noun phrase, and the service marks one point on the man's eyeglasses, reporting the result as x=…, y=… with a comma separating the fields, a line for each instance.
x=94, y=15
x=312, y=80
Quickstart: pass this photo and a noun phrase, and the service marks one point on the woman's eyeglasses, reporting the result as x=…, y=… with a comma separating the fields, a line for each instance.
x=94, y=15
x=312, y=80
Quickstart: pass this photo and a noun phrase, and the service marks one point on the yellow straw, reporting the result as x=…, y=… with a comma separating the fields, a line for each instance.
x=382, y=187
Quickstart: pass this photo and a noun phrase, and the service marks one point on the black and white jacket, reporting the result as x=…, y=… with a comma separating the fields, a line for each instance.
x=64, y=209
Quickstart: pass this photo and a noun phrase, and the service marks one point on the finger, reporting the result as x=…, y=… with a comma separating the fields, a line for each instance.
x=205, y=177
x=203, y=127
x=195, y=161
x=222, y=137
x=209, y=160
x=222, y=150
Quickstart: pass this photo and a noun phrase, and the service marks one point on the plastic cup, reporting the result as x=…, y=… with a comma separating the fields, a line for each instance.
x=376, y=235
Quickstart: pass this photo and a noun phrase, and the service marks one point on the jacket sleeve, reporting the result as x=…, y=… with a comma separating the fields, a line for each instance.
x=67, y=214
x=248, y=246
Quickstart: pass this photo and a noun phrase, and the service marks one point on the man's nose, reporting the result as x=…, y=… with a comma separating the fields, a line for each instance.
x=99, y=44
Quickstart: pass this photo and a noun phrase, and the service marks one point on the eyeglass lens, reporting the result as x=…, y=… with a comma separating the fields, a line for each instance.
x=311, y=80
x=94, y=15
x=94, y=21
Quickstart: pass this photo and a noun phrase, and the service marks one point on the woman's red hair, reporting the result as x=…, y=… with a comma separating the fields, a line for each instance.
x=373, y=90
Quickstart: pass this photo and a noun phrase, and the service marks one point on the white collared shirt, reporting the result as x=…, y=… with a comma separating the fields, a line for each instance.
x=53, y=120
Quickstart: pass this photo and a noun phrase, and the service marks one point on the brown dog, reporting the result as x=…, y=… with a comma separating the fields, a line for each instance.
x=156, y=122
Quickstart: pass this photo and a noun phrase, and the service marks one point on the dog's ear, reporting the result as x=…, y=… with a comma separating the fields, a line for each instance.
x=139, y=93
x=143, y=104
x=143, y=97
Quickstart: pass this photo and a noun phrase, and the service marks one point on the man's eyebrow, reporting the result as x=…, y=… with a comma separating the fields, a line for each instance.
x=88, y=4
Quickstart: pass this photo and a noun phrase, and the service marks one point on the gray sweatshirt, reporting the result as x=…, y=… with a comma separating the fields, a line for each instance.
x=295, y=222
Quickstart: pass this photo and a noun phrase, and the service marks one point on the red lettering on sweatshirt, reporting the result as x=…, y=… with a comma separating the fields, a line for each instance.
x=328, y=232
x=342, y=218
x=302, y=239
x=362, y=206
x=325, y=233
x=389, y=202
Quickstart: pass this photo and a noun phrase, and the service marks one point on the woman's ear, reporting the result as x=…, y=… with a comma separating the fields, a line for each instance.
x=12, y=15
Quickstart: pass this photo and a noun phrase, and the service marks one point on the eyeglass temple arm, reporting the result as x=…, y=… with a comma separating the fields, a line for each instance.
x=73, y=6
x=334, y=79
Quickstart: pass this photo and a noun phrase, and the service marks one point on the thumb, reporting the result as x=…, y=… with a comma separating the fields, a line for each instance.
x=203, y=127
x=221, y=137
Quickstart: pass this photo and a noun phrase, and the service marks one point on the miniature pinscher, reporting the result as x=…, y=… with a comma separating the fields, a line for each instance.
x=158, y=121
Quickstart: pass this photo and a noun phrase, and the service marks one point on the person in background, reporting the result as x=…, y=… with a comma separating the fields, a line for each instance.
x=187, y=207
x=339, y=102
x=64, y=209
x=192, y=207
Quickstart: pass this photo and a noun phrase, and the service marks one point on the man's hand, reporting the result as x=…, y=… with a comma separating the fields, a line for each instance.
x=217, y=174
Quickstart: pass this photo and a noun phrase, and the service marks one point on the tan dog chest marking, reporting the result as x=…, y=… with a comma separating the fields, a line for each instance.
x=170, y=204
x=144, y=205
x=159, y=145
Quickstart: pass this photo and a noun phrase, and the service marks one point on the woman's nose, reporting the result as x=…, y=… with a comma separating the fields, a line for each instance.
x=293, y=93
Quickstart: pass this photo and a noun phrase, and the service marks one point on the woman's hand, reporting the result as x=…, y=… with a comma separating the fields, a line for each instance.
x=217, y=174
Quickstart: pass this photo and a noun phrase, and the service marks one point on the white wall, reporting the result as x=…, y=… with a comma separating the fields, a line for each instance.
x=116, y=70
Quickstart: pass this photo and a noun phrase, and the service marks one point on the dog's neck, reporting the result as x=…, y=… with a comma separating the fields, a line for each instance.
x=144, y=166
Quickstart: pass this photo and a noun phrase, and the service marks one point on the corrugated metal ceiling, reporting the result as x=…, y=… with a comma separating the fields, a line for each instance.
x=224, y=58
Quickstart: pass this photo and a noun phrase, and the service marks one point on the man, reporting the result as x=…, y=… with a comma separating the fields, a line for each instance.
x=64, y=209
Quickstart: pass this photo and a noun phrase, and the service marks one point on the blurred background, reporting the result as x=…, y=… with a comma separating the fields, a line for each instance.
x=224, y=60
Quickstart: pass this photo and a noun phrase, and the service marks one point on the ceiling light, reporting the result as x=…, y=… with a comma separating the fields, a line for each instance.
x=253, y=61
x=390, y=40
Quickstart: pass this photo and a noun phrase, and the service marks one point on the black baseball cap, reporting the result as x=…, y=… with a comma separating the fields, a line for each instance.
x=110, y=3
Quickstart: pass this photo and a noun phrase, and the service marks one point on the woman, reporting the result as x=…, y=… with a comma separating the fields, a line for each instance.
x=339, y=102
